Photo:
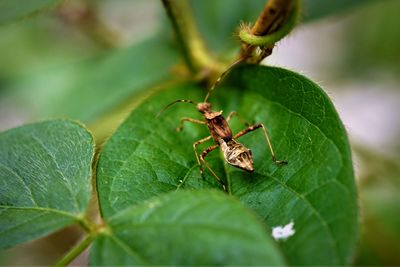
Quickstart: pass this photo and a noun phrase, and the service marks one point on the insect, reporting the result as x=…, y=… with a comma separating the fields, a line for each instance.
x=235, y=153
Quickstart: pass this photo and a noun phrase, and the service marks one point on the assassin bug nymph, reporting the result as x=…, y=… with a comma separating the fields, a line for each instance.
x=234, y=152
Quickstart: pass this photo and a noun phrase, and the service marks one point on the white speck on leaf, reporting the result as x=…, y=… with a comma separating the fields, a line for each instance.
x=153, y=204
x=283, y=232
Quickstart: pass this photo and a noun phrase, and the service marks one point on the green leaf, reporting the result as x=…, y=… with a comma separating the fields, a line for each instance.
x=147, y=157
x=11, y=10
x=40, y=49
x=218, y=27
x=45, y=179
x=186, y=228
x=87, y=90
x=317, y=187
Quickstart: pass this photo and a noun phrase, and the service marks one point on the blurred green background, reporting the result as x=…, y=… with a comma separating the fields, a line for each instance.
x=93, y=60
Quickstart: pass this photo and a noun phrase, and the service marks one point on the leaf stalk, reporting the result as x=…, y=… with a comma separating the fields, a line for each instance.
x=196, y=56
x=86, y=224
x=76, y=251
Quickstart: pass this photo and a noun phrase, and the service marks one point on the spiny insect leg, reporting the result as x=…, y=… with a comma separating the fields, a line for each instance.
x=195, y=144
x=202, y=156
x=255, y=127
x=180, y=128
x=234, y=113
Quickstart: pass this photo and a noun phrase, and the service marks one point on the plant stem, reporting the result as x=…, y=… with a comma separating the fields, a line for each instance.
x=76, y=251
x=274, y=15
x=86, y=224
x=196, y=56
x=273, y=11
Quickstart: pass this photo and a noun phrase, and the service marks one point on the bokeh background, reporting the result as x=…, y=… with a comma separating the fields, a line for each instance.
x=56, y=64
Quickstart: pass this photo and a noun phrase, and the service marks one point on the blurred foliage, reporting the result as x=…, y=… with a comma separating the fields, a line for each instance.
x=38, y=42
x=11, y=10
x=371, y=52
x=373, y=40
x=57, y=70
x=89, y=88
x=315, y=9
x=379, y=186
x=76, y=73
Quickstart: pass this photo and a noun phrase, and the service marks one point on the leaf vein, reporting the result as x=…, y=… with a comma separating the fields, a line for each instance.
x=66, y=183
x=23, y=181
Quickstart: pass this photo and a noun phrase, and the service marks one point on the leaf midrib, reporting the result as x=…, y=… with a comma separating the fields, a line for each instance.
x=44, y=209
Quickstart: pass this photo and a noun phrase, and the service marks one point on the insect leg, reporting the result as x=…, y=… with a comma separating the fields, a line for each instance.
x=180, y=128
x=234, y=113
x=255, y=127
x=197, y=155
x=202, y=156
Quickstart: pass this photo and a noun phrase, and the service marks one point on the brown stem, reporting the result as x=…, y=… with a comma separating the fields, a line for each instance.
x=273, y=11
x=271, y=19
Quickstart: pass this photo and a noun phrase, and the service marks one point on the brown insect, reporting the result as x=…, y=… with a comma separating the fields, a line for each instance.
x=235, y=153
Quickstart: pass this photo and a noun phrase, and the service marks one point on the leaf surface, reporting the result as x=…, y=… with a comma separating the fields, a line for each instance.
x=45, y=174
x=186, y=228
x=11, y=10
x=317, y=187
x=315, y=191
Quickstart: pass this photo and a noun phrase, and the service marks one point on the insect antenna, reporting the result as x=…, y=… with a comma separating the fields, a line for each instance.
x=170, y=104
x=221, y=77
